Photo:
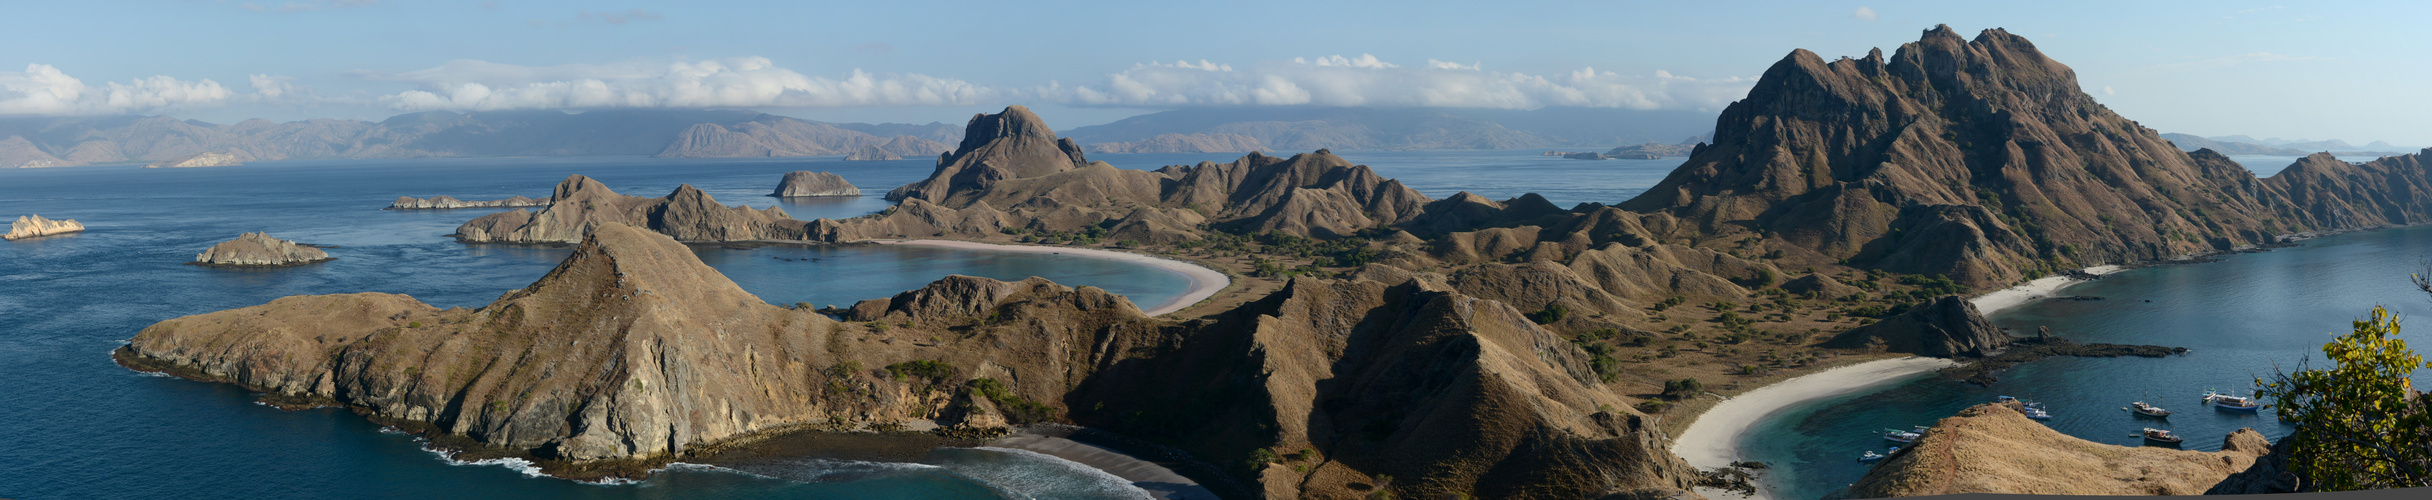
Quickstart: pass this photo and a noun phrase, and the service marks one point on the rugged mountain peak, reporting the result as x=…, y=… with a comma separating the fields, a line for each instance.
x=580, y=203
x=618, y=266
x=579, y=186
x=1986, y=144
x=1013, y=144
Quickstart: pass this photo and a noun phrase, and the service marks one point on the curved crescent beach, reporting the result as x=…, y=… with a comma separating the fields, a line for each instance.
x=1713, y=440
x=1204, y=282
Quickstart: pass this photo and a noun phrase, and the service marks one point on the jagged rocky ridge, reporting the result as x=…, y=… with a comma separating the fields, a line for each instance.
x=580, y=204
x=445, y=202
x=632, y=351
x=259, y=250
x=1992, y=448
x=805, y=183
x=35, y=226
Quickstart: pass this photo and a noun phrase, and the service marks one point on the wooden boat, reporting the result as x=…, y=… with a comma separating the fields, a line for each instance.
x=2159, y=436
x=2232, y=403
x=2141, y=408
x=1901, y=436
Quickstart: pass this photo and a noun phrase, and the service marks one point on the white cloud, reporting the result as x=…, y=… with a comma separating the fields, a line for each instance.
x=44, y=90
x=738, y=82
x=1864, y=13
x=1367, y=81
x=2107, y=90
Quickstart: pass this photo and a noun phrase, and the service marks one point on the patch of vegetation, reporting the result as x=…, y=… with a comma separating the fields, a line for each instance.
x=1551, y=313
x=1683, y=389
x=1018, y=410
x=932, y=370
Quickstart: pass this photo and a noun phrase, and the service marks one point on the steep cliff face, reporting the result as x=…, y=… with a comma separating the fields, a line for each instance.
x=1943, y=328
x=259, y=250
x=1994, y=449
x=1981, y=160
x=580, y=204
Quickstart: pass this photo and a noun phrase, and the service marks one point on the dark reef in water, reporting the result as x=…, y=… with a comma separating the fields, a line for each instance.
x=2044, y=345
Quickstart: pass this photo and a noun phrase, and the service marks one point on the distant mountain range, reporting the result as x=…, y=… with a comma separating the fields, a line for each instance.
x=2246, y=145
x=1308, y=129
x=58, y=142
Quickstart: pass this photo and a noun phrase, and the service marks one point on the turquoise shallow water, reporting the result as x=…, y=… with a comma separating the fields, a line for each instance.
x=2243, y=317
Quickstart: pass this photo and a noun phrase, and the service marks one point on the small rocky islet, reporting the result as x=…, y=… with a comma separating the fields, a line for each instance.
x=35, y=226
x=806, y=183
x=259, y=250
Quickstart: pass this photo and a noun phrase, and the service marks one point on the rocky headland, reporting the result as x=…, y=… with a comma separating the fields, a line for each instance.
x=259, y=250
x=445, y=202
x=1651, y=151
x=580, y=204
x=34, y=226
x=197, y=160
x=871, y=153
x=805, y=183
x=1992, y=448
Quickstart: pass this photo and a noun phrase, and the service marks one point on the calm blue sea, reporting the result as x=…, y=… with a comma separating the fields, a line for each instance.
x=2243, y=317
x=73, y=425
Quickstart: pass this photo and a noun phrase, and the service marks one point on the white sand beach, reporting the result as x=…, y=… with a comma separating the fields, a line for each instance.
x=2027, y=292
x=1714, y=439
x=1204, y=282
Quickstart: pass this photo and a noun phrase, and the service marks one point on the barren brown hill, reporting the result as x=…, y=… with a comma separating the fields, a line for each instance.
x=580, y=204
x=1981, y=160
x=632, y=352
x=1991, y=448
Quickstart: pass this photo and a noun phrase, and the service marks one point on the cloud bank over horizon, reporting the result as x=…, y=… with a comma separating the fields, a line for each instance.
x=758, y=82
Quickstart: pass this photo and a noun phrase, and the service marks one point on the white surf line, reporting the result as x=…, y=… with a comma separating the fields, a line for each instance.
x=2027, y=292
x=1204, y=282
x=1713, y=440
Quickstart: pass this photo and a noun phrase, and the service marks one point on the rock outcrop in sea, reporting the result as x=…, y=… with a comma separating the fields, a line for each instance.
x=1992, y=448
x=871, y=153
x=806, y=183
x=198, y=160
x=34, y=226
x=1650, y=151
x=580, y=204
x=259, y=250
x=445, y=202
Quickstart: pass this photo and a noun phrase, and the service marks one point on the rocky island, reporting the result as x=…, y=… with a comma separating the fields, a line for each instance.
x=34, y=226
x=197, y=160
x=580, y=203
x=444, y=202
x=805, y=183
x=871, y=153
x=259, y=250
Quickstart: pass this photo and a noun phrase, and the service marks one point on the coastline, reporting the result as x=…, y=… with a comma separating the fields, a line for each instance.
x=1205, y=282
x=2043, y=287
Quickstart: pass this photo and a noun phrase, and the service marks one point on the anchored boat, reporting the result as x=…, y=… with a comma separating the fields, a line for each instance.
x=2232, y=403
x=1901, y=436
x=2159, y=436
x=2140, y=408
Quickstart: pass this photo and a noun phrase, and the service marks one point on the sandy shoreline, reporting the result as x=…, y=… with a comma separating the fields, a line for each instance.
x=1714, y=439
x=1204, y=282
x=2027, y=292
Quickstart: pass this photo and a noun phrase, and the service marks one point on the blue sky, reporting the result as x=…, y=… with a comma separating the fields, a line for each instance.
x=2349, y=71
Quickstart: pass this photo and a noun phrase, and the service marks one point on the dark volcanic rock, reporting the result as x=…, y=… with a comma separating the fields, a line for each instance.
x=259, y=250
x=1944, y=328
x=805, y=183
